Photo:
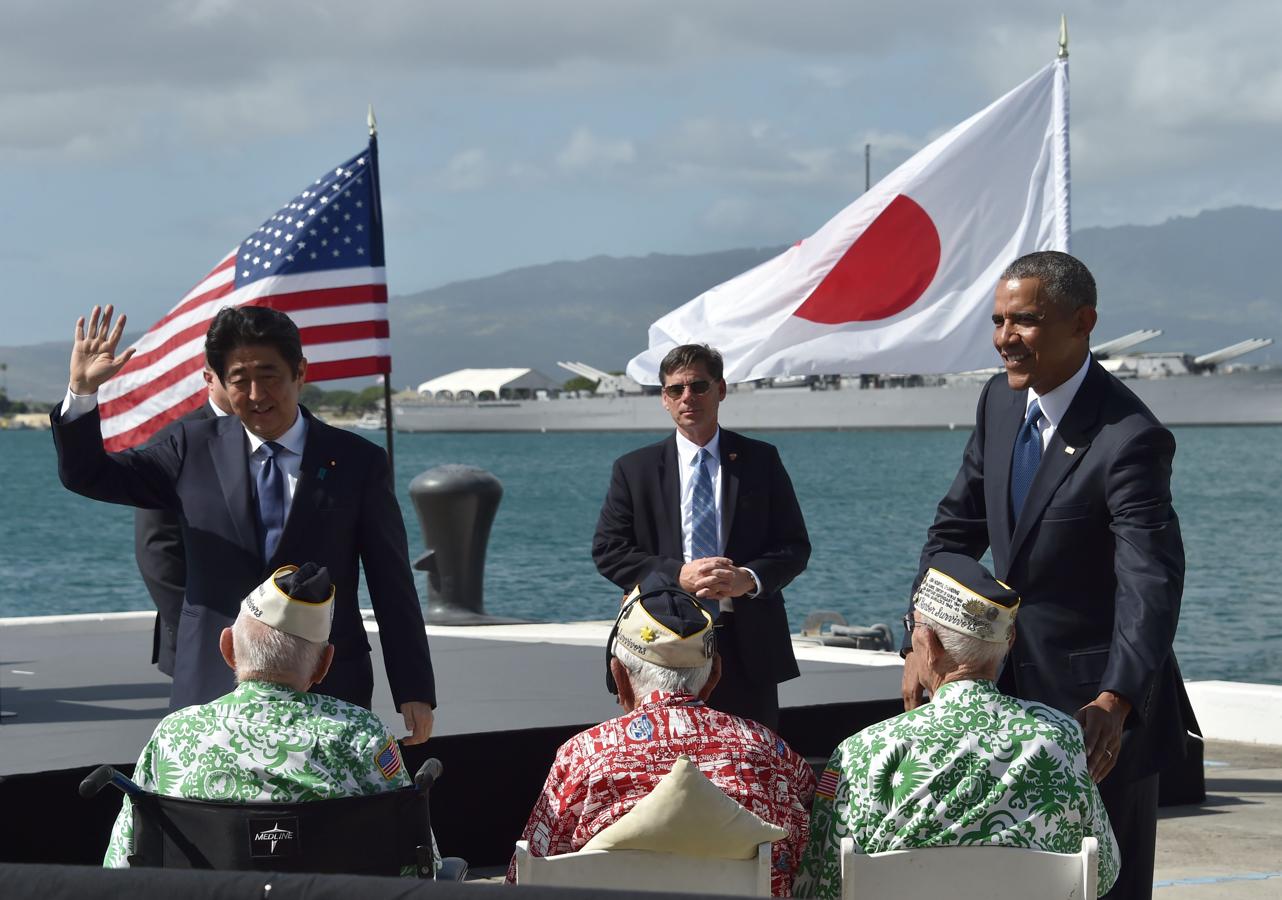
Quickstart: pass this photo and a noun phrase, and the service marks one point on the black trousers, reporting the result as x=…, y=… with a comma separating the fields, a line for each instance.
x=739, y=692
x=1132, y=811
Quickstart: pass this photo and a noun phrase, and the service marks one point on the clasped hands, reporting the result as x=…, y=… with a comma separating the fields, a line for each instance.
x=715, y=578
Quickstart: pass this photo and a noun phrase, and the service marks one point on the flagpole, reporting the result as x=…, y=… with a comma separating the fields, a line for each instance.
x=377, y=235
x=1062, y=158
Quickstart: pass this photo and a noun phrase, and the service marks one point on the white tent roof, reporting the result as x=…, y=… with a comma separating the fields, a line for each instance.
x=479, y=380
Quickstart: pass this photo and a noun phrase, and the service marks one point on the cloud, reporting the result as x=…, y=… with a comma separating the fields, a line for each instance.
x=586, y=150
x=467, y=170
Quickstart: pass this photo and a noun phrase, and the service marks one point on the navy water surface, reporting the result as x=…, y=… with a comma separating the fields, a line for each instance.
x=867, y=497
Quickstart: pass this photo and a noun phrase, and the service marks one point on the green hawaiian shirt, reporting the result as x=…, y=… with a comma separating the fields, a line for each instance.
x=973, y=766
x=263, y=742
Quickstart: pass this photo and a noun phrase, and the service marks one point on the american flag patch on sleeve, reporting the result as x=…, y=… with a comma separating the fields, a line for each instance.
x=827, y=786
x=389, y=759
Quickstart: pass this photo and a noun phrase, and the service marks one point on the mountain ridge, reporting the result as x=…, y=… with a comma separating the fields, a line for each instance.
x=1198, y=278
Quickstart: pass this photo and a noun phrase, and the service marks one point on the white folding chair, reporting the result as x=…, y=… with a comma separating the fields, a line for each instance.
x=644, y=870
x=970, y=873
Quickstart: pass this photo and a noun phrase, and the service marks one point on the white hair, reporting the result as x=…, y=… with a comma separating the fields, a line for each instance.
x=966, y=650
x=647, y=677
x=266, y=654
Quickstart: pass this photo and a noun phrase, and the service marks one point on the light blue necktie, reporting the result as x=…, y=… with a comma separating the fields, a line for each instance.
x=271, y=498
x=1025, y=459
x=704, y=540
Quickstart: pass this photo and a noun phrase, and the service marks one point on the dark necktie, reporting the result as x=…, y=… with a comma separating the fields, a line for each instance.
x=271, y=498
x=1025, y=459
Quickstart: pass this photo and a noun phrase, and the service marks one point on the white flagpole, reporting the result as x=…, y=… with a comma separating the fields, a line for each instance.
x=1063, y=169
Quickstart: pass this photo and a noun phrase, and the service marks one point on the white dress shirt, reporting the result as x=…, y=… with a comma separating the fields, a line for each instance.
x=289, y=457
x=1056, y=402
x=688, y=465
x=292, y=442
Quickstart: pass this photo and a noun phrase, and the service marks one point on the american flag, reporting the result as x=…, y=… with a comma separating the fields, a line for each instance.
x=389, y=760
x=827, y=786
x=319, y=258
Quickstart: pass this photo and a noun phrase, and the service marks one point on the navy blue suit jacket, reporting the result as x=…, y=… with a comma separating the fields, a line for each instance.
x=639, y=532
x=1096, y=556
x=162, y=562
x=344, y=513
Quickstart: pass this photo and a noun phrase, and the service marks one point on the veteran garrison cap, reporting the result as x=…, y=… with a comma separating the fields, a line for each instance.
x=297, y=600
x=666, y=626
x=960, y=594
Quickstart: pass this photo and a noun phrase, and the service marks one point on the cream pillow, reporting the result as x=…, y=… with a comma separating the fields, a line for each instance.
x=688, y=814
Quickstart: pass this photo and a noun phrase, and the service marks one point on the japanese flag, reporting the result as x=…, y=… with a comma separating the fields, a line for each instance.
x=902, y=279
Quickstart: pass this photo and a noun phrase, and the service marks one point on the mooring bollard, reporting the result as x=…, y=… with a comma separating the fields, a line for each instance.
x=456, y=506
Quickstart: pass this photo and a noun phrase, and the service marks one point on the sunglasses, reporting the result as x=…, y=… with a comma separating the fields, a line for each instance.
x=674, y=391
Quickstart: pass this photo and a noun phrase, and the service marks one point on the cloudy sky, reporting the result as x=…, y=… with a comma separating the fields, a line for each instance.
x=143, y=140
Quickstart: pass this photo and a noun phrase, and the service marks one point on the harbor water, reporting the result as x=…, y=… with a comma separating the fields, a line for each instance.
x=868, y=497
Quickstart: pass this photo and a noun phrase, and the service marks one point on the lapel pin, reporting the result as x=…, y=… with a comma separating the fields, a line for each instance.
x=1070, y=450
x=734, y=456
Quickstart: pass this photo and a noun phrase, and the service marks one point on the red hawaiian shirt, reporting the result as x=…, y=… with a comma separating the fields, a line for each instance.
x=601, y=773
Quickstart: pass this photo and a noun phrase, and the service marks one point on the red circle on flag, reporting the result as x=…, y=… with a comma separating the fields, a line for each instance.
x=882, y=273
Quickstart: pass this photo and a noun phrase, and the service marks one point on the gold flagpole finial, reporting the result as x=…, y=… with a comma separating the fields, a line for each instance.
x=1063, y=37
x=373, y=123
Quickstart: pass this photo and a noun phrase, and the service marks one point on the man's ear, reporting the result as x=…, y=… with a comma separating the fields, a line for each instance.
x=925, y=640
x=227, y=647
x=713, y=678
x=623, y=681
x=322, y=667
x=1086, y=317
x=302, y=370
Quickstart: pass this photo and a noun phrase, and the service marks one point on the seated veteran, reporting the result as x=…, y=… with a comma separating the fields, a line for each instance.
x=973, y=766
x=662, y=663
x=269, y=740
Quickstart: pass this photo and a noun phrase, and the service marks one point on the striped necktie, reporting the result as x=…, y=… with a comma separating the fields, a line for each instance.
x=704, y=540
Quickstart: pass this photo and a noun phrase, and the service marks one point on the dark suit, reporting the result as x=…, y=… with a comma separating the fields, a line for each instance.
x=343, y=513
x=639, y=532
x=1097, y=558
x=162, y=562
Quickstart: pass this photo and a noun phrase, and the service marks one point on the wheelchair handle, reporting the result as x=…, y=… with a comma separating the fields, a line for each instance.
x=102, y=776
x=427, y=774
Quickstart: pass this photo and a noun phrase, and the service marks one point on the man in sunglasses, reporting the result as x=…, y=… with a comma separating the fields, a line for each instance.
x=714, y=512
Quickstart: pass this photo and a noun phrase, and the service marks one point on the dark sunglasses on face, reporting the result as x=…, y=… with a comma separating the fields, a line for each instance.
x=675, y=391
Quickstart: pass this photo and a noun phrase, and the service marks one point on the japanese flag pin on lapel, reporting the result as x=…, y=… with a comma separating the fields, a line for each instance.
x=1070, y=450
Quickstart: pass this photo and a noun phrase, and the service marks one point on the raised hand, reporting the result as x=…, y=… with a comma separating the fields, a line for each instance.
x=93, y=353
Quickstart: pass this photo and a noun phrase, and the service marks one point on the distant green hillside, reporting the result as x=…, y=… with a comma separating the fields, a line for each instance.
x=1202, y=280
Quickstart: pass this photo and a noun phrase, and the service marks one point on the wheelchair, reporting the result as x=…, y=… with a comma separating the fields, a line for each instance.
x=374, y=834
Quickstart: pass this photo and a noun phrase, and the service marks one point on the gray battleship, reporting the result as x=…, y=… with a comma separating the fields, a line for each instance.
x=1180, y=388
